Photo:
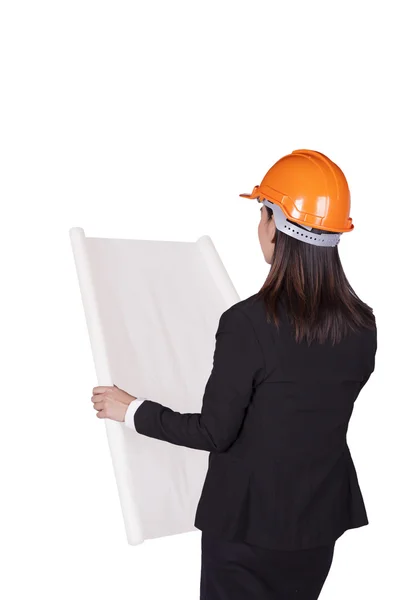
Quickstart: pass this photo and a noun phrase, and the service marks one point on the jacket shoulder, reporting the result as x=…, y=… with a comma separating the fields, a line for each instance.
x=247, y=305
x=252, y=307
x=248, y=312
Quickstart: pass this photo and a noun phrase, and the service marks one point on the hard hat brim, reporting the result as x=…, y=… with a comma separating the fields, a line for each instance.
x=260, y=196
x=253, y=194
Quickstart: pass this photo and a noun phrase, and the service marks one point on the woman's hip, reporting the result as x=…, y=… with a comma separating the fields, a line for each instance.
x=232, y=570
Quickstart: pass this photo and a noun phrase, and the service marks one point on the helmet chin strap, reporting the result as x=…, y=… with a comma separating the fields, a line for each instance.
x=301, y=232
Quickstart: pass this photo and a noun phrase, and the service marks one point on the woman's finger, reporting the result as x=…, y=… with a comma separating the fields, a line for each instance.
x=99, y=405
x=100, y=389
x=97, y=398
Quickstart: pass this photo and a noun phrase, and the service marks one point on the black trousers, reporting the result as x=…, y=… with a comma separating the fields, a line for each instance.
x=240, y=571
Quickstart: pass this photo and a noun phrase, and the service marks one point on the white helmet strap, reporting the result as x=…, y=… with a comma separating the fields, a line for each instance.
x=304, y=233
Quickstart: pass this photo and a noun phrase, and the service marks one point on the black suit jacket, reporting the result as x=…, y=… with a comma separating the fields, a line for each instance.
x=274, y=418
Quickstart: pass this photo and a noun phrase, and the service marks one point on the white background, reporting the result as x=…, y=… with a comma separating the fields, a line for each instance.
x=146, y=120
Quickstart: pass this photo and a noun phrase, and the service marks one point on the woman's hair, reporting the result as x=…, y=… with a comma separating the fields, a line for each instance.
x=310, y=282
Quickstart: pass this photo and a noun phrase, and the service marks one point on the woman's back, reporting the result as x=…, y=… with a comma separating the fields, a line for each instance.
x=288, y=480
x=307, y=395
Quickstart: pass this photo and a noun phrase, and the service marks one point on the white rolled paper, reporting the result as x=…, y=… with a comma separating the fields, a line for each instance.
x=152, y=309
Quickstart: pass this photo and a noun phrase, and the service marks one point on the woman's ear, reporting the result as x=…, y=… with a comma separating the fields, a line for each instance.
x=264, y=214
x=272, y=226
x=273, y=231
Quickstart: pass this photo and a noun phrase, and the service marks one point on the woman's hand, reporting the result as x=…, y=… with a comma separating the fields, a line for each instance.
x=111, y=402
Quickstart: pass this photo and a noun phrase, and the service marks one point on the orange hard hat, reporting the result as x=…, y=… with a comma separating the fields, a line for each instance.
x=310, y=190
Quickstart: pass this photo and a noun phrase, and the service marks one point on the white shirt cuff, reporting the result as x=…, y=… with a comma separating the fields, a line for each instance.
x=132, y=408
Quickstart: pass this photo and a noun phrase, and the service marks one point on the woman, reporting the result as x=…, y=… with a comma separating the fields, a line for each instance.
x=289, y=363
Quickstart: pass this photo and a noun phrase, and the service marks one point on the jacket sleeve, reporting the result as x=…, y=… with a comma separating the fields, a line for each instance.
x=370, y=362
x=237, y=363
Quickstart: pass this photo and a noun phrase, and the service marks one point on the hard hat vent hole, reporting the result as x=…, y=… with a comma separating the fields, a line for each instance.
x=320, y=240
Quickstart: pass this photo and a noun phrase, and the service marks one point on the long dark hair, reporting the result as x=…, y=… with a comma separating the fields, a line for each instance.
x=310, y=282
